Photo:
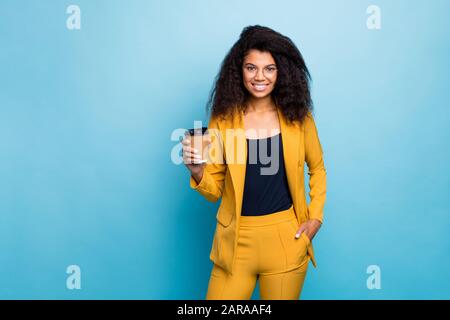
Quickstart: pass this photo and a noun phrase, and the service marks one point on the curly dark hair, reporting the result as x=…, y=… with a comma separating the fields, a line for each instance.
x=291, y=92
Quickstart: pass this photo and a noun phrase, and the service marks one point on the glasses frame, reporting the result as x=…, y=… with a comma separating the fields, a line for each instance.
x=256, y=71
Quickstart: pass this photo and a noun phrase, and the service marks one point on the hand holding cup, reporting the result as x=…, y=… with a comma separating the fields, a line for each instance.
x=195, y=146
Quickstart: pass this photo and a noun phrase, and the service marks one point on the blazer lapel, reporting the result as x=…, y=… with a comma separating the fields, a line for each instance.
x=290, y=135
x=236, y=157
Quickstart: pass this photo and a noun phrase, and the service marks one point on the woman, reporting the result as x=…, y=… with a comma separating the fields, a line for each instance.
x=264, y=226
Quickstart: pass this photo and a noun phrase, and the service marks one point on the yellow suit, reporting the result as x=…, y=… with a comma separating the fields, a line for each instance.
x=226, y=179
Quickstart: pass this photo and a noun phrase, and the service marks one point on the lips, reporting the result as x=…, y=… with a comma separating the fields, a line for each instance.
x=259, y=87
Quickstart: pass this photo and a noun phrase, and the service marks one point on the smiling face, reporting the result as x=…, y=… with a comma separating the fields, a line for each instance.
x=259, y=73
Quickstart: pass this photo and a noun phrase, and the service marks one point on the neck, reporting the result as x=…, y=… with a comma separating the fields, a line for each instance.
x=260, y=104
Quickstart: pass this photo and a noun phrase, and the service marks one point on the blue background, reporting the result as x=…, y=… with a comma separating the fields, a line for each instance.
x=86, y=118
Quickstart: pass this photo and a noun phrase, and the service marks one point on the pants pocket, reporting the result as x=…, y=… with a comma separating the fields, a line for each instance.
x=296, y=249
x=309, y=247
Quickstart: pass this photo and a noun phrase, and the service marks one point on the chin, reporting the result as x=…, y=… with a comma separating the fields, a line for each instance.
x=260, y=95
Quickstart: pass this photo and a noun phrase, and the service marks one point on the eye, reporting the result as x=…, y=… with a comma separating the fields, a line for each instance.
x=250, y=68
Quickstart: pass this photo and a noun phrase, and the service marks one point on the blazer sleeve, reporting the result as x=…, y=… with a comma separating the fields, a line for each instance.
x=316, y=169
x=212, y=182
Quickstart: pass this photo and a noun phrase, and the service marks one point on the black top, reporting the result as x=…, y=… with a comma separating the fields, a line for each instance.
x=266, y=189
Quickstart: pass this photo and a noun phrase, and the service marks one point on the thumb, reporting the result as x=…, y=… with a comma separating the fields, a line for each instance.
x=299, y=232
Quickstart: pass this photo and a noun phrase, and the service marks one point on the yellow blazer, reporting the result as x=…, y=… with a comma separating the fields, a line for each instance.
x=226, y=179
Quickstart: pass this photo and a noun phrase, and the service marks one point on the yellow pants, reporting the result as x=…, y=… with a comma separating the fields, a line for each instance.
x=267, y=250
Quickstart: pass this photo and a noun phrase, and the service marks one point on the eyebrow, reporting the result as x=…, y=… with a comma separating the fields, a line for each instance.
x=269, y=65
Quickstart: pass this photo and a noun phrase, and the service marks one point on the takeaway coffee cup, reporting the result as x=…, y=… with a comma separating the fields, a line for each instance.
x=199, y=140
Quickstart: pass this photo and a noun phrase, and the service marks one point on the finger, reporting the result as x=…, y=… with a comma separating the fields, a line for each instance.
x=192, y=155
x=186, y=137
x=190, y=149
x=299, y=232
x=193, y=161
x=198, y=162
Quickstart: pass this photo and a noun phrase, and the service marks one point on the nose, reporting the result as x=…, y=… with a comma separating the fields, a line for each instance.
x=259, y=75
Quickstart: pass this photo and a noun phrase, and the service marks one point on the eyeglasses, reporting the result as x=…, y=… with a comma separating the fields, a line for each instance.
x=268, y=72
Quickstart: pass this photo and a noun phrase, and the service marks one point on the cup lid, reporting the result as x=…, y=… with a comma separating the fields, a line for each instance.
x=197, y=131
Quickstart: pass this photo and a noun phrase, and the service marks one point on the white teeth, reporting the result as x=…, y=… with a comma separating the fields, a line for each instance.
x=260, y=86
